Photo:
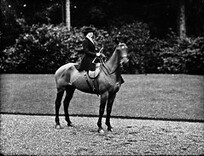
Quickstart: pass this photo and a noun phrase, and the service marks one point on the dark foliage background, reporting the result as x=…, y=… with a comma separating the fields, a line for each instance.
x=33, y=38
x=44, y=48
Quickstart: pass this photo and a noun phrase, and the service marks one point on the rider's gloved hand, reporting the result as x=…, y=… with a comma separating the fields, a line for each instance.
x=98, y=54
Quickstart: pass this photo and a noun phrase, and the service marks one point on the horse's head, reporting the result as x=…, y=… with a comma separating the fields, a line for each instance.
x=123, y=49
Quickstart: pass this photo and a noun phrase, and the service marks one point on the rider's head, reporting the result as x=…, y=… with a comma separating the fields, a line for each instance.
x=88, y=32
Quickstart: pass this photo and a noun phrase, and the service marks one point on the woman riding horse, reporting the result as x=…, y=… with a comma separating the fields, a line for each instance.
x=90, y=53
x=108, y=81
x=89, y=50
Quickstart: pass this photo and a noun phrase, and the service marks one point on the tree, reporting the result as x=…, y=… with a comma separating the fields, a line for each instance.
x=68, y=17
x=182, y=20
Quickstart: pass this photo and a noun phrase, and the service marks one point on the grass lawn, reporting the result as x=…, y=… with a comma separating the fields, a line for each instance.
x=142, y=96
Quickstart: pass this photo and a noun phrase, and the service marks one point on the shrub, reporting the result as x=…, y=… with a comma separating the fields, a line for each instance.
x=42, y=50
x=184, y=56
x=137, y=37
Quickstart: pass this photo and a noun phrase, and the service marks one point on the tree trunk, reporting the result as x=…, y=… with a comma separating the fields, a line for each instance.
x=68, y=17
x=182, y=20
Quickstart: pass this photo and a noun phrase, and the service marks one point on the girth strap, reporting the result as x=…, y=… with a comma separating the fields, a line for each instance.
x=90, y=86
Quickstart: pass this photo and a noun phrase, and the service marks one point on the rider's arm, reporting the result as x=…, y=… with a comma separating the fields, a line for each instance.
x=86, y=49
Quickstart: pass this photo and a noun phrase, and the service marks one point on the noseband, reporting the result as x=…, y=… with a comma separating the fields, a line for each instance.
x=123, y=51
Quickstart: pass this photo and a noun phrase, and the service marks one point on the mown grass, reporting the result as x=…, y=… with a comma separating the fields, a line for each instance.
x=142, y=96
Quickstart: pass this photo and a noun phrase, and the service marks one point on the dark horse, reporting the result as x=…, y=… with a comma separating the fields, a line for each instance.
x=107, y=84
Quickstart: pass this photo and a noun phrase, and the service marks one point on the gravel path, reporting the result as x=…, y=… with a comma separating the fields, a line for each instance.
x=35, y=135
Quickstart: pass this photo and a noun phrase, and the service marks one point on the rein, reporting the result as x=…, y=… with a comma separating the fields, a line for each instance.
x=108, y=69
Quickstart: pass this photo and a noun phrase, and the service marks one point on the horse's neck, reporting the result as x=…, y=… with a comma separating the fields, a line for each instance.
x=113, y=62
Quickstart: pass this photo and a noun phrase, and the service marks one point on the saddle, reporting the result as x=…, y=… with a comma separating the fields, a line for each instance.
x=94, y=74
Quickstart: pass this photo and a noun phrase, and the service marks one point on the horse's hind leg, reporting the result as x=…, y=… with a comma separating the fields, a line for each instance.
x=57, y=107
x=69, y=95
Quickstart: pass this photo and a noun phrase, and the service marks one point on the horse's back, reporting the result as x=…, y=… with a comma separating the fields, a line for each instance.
x=63, y=68
x=65, y=75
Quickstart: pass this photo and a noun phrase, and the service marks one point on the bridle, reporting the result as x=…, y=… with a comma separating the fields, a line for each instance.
x=124, y=55
x=123, y=58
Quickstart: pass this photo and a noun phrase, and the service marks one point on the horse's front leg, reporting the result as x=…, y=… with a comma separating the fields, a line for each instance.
x=103, y=101
x=111, y=99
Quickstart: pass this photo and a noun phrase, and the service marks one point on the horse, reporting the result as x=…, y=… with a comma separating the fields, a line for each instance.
x=107, y=83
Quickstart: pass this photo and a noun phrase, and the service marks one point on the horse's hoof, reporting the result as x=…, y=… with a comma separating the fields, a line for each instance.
x=58, y=127
x=110, y=129
x=70, y=125
x=101, y=131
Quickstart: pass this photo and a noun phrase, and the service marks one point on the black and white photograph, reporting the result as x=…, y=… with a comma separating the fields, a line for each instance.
x=101, y=77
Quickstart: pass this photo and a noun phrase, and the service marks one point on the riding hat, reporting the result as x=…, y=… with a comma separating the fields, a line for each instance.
x=87, y=30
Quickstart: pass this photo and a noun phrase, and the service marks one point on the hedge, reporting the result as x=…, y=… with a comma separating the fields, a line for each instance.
x=44, y=48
